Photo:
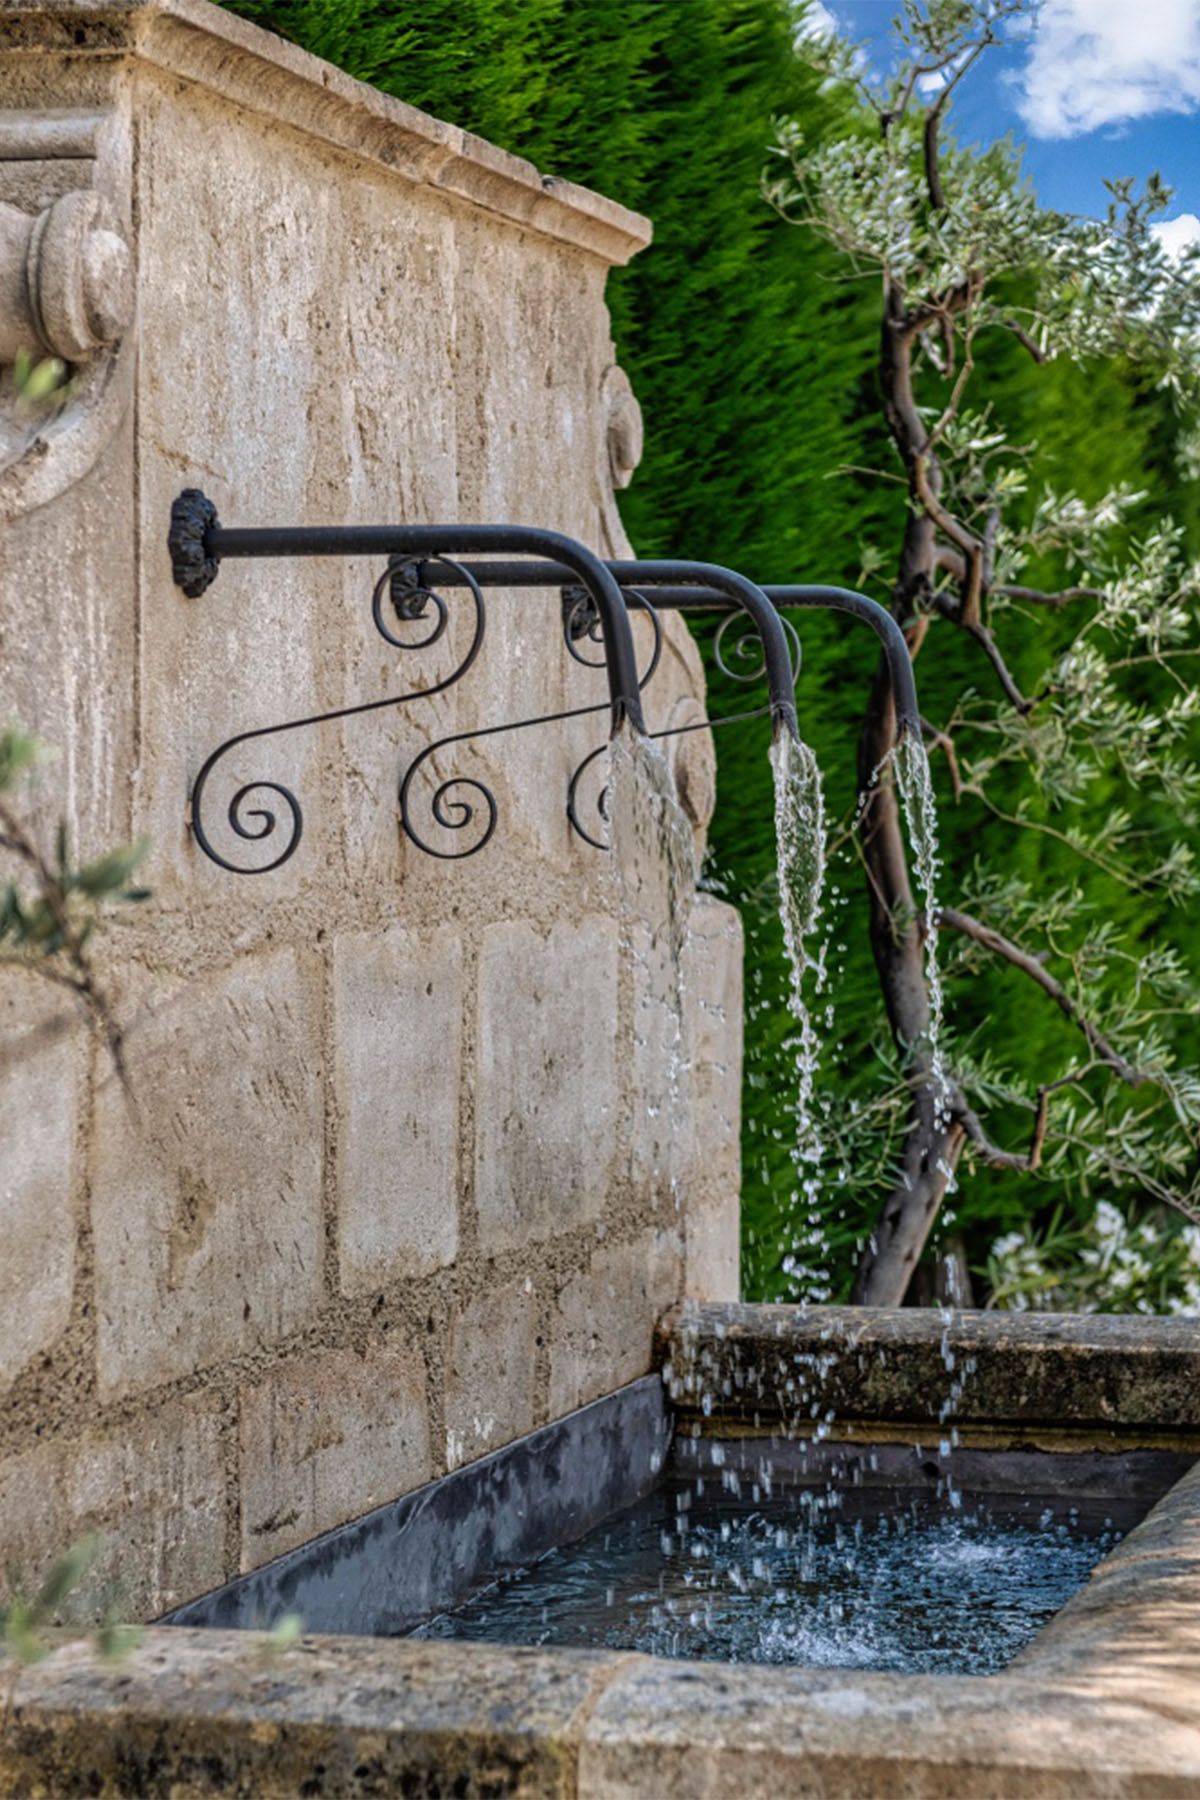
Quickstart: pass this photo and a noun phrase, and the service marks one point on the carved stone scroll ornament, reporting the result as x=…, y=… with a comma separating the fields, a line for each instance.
x=621, y=453
x=66, y=291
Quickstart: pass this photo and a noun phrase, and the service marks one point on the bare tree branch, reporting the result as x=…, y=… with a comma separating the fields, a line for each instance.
x=1026, y=342
x=1028, y=1161
x=943, y=742
x=945, y=521
x=1040, y=597
x=950, y=560
x=949, y=918
x=933, y=119
x=991, y=650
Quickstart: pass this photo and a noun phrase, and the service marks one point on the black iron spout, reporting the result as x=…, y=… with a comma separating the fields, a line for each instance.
x=711, y=577
x=677, y=581
x=825, y=599
x=677, y=594
x=199, y=543
x=829, y=599
x=891, y=637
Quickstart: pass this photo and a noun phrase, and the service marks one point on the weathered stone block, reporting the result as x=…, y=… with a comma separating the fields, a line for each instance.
x=40, y=1035
x=605, y=1319
x=661, y=1137
x=712, y=1031
x=489, y=1372
x=546, y=1079
x=207, y=1199
x=326, y=1437
x=397, y=1008
x=152, y=1494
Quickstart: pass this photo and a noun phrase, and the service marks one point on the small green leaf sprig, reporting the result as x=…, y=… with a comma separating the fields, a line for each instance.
x=50, y=912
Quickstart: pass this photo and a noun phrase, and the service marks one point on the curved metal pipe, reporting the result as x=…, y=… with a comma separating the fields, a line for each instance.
x=744, y=593
x=859, y=606
x=707, y=598
x=712, y=584
x=199, y=543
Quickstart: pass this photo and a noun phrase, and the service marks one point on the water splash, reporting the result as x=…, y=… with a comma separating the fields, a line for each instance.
x=800, y=841
x=652, y=872
x=891, y=1580
x=653, y=846
x=915, y=786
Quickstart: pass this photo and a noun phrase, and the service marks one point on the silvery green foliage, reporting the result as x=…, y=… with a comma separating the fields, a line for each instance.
x=1107, y=1264
x=964, y=249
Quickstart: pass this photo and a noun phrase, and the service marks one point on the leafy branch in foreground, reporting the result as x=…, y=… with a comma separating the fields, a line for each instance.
x=50, y=910
x=1094, y=751
x=25, y=1624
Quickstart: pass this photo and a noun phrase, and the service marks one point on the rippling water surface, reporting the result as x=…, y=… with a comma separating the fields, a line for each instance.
x=886, y=1580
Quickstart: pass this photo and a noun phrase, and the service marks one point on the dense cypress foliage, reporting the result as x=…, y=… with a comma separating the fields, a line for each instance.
x=754, y=360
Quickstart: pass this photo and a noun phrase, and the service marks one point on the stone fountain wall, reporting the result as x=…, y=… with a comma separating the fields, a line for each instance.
x=416, y=1153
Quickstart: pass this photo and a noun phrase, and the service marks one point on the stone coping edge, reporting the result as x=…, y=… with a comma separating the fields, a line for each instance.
x=1104, y=1705
x=265, y=74
x=1117, y=1378
x=201, y=1712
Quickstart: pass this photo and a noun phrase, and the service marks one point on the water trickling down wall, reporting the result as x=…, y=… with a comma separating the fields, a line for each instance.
x=421, y=1149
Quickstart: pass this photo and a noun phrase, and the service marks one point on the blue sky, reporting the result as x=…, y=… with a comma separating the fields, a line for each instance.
x=1100, y=88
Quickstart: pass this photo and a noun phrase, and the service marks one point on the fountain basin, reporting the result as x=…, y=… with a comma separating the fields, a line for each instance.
x=1104, y=1700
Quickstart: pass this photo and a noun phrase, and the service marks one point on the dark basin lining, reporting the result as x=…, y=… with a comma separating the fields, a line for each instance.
x=427, y=1552
x=385, y=1572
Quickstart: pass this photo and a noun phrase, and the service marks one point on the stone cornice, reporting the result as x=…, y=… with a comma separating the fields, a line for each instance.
x=197, y=41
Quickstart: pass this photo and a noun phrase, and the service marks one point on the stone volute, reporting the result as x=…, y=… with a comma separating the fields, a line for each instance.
x=624, y=435
x=66, y=279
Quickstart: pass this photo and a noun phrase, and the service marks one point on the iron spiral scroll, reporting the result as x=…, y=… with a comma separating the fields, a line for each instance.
x=743, y=661
x=596, y=596
x=410, y=602
x=459, y=814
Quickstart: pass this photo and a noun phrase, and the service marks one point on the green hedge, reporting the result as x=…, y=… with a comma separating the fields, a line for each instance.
x=754, y=364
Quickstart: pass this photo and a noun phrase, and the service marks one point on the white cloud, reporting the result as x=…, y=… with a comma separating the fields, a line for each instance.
x=1176, y=234
x=1103, y=62
x=817, y=21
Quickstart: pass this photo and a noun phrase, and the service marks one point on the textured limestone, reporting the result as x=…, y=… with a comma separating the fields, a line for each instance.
x=1104, y=1705
x=354, y=1121
x=203, y=1712
x=1136, y=1619
x=547, y=1063
x=676, y=1730
x=712, y=1013
x=207, y=1197
x=599, y=1335
x=325, y=1437
x=662, y=1098
x=152, y=1498
x=39, y=1035
x=1033, y=1374
x=66, y=285
x=489, y=1378
x=397, y=1025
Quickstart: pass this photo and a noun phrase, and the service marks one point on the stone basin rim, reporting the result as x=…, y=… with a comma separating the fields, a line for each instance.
x=1104, y=1702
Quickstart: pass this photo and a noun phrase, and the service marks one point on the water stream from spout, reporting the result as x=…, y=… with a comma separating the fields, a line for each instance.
x=800, y=840
x=915, y=785
x=653, y=872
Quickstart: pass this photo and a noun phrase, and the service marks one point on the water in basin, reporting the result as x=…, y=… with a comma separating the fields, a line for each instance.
x=879, y=1579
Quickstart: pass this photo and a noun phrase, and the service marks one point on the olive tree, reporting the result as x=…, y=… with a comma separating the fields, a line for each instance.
x=960, y=248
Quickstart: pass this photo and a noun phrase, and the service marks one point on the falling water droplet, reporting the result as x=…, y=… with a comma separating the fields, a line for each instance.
x=800, y=851
x=915, y=785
